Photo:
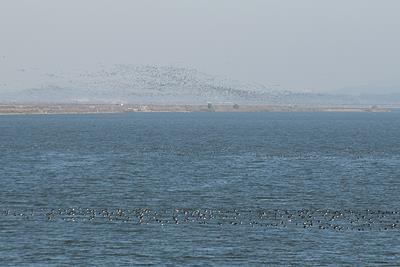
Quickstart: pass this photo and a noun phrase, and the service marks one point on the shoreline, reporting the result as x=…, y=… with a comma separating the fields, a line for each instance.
x=76, y=109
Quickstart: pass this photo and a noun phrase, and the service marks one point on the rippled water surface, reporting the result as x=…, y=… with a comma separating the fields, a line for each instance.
x=200, y=189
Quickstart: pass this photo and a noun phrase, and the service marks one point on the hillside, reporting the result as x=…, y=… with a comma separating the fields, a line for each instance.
x=158, y=85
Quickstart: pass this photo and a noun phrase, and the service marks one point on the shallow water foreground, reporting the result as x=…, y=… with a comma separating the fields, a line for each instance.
x=200, y=189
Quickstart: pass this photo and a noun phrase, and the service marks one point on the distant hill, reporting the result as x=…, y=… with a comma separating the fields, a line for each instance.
x=158, y=85
x=373, y=94
x=126, y=83
x=371, y=89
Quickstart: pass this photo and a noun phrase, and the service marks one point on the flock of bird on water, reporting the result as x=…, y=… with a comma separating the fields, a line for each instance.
x=337, y=220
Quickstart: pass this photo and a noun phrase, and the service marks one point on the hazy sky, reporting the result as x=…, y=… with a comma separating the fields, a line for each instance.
x=299, y=44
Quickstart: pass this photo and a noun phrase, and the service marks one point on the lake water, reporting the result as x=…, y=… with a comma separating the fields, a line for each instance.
x=200, y=189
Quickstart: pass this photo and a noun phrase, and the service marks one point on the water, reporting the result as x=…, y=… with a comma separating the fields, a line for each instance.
x=200, y=189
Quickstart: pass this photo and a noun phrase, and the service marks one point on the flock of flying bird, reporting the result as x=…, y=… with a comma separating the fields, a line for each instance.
x=338, y=220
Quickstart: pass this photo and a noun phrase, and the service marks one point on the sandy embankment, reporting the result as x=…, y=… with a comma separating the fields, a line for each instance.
x=8, y=109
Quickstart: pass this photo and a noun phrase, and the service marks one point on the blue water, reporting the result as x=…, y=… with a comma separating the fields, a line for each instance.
x=200, y=189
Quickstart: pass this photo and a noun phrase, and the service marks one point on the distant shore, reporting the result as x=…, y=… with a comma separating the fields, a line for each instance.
x=10, y=109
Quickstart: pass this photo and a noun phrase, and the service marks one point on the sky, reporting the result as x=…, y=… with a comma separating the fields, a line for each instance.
x=313, y=45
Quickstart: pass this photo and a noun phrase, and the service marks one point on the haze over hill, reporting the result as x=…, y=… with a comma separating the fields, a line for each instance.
x=132, y=83
x=164, y=85
x=310, y=48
